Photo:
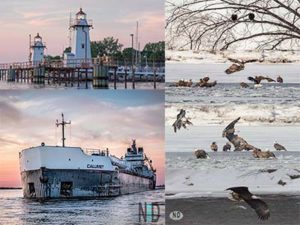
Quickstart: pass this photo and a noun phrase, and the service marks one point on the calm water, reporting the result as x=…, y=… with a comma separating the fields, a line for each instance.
x=175, y=71
x=123, y=210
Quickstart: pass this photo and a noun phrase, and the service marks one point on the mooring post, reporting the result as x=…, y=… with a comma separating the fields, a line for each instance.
x=86, y=78
x=78, y=78
x=133, y=78
x=39, y=75
x=100, y=76
x=154, y=78
x=11, y=74
x=115, y=77
x=125, y=80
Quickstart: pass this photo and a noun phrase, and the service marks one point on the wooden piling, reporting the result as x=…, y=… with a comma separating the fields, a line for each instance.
x=133, y=78
x=100, y=76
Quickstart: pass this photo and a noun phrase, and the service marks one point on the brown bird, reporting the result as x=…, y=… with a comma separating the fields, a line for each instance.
x=214, y=146
x=201, y=154
x=244, y=85
x=262, y=155
x=243, y=194
x=279, y=147
x=235, y=68
x=238, y=65
x=258, y=79
x=181, y=121
x=279, y=79
x=227, y=147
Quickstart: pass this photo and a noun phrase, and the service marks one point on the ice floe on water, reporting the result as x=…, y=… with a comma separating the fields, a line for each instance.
x=191, y=177
x=225, y=102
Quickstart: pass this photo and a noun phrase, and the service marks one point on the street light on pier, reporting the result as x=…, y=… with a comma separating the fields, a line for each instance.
x=132, y=61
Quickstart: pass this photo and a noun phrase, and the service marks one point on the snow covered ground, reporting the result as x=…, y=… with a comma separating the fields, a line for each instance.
x=190, y=177
x=203, y=57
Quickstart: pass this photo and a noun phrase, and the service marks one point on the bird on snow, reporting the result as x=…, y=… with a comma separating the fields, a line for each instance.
x=214, y=146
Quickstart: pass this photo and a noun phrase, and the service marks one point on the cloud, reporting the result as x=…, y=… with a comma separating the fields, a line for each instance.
x=103, y=119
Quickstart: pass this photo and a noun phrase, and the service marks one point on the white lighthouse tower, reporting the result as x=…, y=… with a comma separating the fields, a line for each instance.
x=81, y=47
x=37, y=49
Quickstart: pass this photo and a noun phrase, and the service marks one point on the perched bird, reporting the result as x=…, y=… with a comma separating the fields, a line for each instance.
x=203, y=82
x=262, y=155
x=234, y=17
x=214, y=146
x=201, y=154
x=258, y=79
x=244, y=85
x=279, y=79
x=227, y=147
x=242, y=194
x=181, y=121
x=251, y=16
x=279, y=147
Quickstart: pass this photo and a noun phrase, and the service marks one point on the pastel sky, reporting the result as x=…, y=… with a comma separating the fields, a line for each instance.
x=100, y=119
x=117, y=18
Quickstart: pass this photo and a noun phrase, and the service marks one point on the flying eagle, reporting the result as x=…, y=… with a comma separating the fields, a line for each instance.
x=243, y=194
x=181, y=121
x=258, y=79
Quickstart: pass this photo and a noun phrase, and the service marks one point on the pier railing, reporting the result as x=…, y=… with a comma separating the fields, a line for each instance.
x=82, y=63
x=71, y=72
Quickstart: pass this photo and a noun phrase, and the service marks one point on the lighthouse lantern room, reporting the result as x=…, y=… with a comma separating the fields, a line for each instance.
x=37, y=49
x=80, y=26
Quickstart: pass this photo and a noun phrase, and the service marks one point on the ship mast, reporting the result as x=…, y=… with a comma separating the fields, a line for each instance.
x=63, y=123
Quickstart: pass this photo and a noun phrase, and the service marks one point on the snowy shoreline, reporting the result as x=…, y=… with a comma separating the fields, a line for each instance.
x=206, y=57
x=190, y=177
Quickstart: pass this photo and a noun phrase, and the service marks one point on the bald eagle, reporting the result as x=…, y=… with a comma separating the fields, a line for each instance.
x=258, y=79
x=279, y=147
x=242, y=194
x=181, y=121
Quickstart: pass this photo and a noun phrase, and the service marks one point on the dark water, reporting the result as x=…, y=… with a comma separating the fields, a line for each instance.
x=123, y=210
x=285, y=210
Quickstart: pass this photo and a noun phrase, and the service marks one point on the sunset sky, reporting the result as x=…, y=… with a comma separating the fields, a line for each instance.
x=100, y=119
x=115, y=18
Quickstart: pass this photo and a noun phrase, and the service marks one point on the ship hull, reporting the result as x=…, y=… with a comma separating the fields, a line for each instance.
x=46, y=183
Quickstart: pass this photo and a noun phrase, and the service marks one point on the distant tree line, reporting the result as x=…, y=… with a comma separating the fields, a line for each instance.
x=111, y=47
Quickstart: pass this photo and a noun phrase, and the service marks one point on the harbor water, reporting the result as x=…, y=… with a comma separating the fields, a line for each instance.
x=122, y=210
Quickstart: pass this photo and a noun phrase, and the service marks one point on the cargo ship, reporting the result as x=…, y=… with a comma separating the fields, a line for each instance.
x=49, y=172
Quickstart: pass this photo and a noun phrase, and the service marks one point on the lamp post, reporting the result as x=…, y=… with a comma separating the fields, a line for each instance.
x=132, y=61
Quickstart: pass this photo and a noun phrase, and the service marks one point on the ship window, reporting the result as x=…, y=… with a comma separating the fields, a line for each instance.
x=66, y=188
x=82, y=45
x=31, y=188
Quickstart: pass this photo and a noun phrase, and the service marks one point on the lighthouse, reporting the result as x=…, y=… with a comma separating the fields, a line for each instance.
x=37, y=49
x=80, y=27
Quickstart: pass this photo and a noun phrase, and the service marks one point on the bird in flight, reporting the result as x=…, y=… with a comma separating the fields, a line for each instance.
x=279, y=147
x=258, y=79
x=243, y=194
x=181, y=121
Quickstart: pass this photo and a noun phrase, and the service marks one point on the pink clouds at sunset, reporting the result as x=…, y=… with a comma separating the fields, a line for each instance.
x=104, y=119
x=114, y=18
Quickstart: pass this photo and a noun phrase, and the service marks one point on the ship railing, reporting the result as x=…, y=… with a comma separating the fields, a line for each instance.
x=91, y=151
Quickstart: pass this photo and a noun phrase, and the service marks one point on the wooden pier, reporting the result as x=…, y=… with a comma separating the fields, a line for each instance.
x=80, y=72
